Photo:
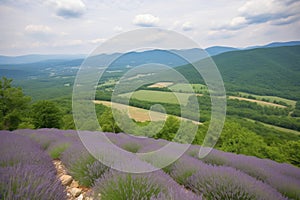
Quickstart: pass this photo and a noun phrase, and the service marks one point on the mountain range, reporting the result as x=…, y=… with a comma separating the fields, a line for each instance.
x=152, y=55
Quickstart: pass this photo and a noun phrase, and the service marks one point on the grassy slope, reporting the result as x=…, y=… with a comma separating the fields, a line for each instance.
x=159, y=96
x=272, y=71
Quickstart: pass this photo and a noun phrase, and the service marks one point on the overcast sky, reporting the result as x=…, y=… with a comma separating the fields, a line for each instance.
x=79, y=26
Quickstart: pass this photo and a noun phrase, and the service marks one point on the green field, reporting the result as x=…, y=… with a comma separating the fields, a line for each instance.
x=159, y=96
x=276, y=127
x=271, y=98
x=185, y=87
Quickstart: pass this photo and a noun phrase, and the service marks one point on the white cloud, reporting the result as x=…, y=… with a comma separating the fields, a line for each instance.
x=68, y=8
x=275, y=12
x=187, y=26
x=97, y=40
x=64, y=43
x=146, y=20
x=217, y=35
x=38, y=29
x=118, y=29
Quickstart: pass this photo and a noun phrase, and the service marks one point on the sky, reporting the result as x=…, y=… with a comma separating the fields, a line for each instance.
x=79, y=26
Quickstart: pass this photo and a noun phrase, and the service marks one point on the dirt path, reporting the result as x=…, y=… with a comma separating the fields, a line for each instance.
x=74, y=190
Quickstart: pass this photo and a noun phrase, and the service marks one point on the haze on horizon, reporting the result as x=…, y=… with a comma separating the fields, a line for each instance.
x=79, y=26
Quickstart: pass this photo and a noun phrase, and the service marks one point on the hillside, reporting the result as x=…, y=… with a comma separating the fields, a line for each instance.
x=267, y=71
x=31, y=165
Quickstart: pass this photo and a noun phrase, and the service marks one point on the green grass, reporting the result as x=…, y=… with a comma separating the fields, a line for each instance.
x=184, y=87
x=276, y=127
x=159, y=96
x=56, y=151
x=131, y=147
x=271, y=98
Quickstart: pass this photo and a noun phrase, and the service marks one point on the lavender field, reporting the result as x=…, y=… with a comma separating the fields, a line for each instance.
x=27, y=171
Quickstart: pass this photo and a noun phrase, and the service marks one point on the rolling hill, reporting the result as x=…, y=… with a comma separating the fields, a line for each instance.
x=267, y=71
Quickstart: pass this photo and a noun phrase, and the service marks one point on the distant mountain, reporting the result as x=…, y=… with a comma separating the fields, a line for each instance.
x=215, y=50
x=135, y=58
x=266, y=71
x=33, y=58
x=275, y=44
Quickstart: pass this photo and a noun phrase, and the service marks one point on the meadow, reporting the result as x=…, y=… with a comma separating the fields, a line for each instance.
x=159, y=96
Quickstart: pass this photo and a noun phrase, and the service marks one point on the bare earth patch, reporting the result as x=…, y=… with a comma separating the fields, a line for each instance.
x=139, y=114
x=160, y=85
x=264, y=103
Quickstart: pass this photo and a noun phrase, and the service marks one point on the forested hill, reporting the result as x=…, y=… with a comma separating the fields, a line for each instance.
x=264, y=71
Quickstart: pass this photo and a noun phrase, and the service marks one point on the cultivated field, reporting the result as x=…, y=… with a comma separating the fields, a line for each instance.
x=271, y=98
x=160, y=85
x=159, y=96
x=263, y=103
x=184, y=87
x=277, y=127
x=139, y=114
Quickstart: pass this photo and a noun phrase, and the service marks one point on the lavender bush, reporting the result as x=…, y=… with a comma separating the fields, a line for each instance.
x=82, y=165
x=150, y=186
x=218, y=182
x=15, y=149
x=26, y=171
x=30, y=182
x=220, y=175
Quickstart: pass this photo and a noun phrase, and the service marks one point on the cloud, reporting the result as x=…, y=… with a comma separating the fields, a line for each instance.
x=118, y=29
x=64, y=43
x=68, y=9
x=146, y=20
x=217, y=35
x=187, y=26
x=275, y=12
x=38, y=29
x=97, y=40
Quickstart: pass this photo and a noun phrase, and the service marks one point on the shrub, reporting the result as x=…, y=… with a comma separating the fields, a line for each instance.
x=183, y=169
x=57, y=149
x=150, y=186
x=15, y=149
x=227, y=183
x=131, y=147
x=30, y=182
x=82, y=165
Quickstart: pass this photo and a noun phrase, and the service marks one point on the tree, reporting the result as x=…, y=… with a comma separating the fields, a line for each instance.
x=291, y=149
x=170, y=128
x=107, y=122
x=237, y=139
x=13, y=104
x=46, y=114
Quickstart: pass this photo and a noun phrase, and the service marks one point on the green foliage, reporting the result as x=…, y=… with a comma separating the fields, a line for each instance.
x=126, y=186
x=239, y=140
x=291, y=149
x=265, y=71
x=107, y=122
x=131, y=147
x=79, y=170
x=13, y=105
x=46, y=114
x=170, y=128
x=296, y=112
x=57, y=150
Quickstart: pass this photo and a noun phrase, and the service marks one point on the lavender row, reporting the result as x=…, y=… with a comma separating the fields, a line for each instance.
x=283, y=177
x=216, y=176
x=26, y=171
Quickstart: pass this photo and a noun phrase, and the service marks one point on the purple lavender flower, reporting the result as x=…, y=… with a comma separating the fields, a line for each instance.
x=227, y=183
x=149, y=186
x=30, y=182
